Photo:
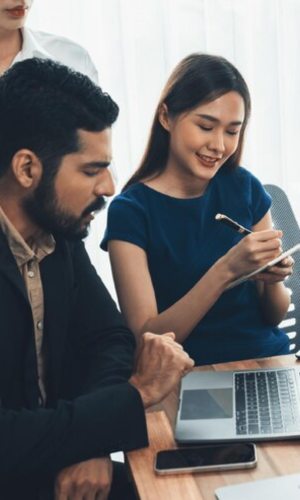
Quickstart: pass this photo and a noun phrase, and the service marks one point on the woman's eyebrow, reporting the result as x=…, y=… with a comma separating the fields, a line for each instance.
x=215, y=120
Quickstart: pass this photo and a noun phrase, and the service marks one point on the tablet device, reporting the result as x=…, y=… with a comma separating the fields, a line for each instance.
x=273, y=262
x=275, y=488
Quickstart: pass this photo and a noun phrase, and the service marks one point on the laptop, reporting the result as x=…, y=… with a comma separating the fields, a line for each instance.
x=244, y=405
x=275, y=488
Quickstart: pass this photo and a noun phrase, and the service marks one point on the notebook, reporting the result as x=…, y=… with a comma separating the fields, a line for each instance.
x=252, y=405
x=276, y=488
x=267, y=266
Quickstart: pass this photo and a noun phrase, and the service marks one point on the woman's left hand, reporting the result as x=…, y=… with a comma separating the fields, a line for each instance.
x=277, y=273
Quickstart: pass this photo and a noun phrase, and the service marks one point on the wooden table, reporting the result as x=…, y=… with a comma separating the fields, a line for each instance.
x=274, y=458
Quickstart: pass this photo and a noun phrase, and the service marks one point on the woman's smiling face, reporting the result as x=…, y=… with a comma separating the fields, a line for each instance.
x=203, y=139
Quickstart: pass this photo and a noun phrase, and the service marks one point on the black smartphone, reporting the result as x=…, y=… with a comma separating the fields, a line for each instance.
x=206, y=458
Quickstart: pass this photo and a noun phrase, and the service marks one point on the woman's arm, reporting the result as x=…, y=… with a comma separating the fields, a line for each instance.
x=137, y=298
x=275, y=298
x=136, y=294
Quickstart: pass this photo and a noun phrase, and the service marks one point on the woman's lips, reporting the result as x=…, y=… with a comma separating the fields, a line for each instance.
x=206, y=160
x=17, y=11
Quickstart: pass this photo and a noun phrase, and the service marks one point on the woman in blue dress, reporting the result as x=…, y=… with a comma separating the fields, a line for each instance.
x=172, y=260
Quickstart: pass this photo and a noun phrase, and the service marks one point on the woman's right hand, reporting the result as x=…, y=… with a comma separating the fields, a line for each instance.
x=252, y=252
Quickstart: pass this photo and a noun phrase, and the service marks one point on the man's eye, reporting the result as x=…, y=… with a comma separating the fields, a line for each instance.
x=90, y=173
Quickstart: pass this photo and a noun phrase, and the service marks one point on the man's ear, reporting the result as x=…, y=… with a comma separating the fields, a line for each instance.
x=26, y=168
x=163, y=116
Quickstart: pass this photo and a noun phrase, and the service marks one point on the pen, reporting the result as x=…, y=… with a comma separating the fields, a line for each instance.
x=231, y=223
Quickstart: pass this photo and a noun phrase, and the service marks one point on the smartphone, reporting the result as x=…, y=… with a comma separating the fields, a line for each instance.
x=212, y=457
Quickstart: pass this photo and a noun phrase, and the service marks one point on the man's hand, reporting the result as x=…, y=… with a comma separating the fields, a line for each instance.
x=89, y=480
x=160, y=364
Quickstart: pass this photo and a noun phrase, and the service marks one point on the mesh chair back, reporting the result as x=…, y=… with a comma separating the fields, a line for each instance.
x=284, y=218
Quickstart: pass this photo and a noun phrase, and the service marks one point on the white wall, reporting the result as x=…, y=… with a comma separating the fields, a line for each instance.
x=136, y=43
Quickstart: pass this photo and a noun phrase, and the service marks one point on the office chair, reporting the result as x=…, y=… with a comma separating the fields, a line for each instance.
x=284, y=218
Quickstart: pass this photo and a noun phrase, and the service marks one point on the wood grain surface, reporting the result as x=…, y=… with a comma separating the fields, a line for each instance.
x=274, y=458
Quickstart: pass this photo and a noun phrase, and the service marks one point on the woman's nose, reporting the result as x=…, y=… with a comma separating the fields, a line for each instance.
x=216, y=142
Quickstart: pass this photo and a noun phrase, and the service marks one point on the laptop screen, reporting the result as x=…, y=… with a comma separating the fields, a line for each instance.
x=199, y=404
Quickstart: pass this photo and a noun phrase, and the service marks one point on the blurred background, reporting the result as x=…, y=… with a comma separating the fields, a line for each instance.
x=135, y=44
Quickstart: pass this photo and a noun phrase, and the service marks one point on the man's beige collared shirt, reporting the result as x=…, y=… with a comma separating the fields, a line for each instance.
x=28, y=255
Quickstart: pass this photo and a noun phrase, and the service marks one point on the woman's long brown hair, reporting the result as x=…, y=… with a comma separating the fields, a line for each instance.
x=197, y=79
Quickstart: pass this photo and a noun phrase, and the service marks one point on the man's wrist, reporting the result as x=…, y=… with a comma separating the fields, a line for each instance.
x=145, y=397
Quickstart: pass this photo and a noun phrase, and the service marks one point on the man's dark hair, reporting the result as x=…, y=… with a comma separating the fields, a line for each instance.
x=42, y=106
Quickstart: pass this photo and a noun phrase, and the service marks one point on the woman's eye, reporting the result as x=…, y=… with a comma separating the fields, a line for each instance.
x=232, y=132
x=207, y=129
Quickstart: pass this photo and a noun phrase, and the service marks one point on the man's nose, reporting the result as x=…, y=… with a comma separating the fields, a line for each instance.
x=105, y=186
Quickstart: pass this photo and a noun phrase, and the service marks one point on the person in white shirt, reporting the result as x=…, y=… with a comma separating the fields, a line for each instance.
x=18, y=42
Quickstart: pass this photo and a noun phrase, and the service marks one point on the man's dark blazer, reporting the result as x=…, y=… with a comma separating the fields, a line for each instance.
x=91, y=410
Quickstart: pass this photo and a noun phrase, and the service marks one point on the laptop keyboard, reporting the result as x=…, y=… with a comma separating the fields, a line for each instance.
x=266, y=402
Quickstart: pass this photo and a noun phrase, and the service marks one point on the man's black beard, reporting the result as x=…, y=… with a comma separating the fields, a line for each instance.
x=44, y=210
